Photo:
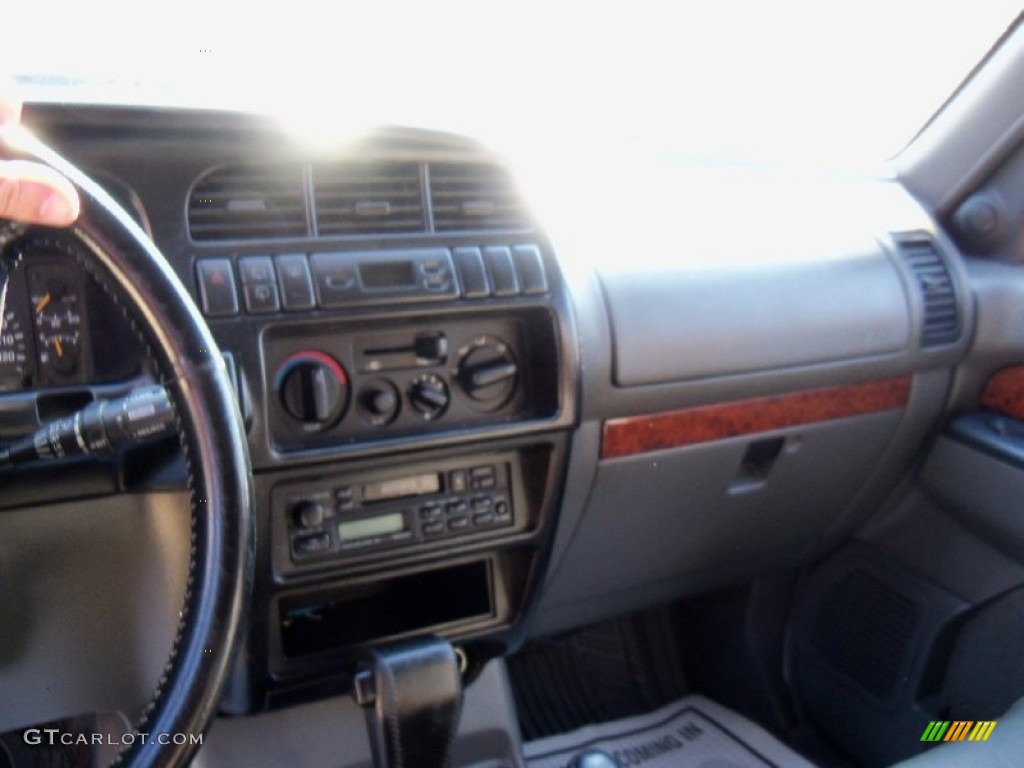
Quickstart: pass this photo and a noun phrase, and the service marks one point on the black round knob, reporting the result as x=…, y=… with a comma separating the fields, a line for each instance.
x=487, y=372
x=429, y=395
x=379, y=401
x=309, y=514
x=382, y=403
x=313, y=389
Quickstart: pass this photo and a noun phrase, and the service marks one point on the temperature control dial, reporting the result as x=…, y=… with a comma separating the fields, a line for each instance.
x=312, y=388
x=429, y=395
x=487, y=371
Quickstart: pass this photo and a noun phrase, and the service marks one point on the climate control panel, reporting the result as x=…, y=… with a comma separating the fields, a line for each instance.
x=336, y=383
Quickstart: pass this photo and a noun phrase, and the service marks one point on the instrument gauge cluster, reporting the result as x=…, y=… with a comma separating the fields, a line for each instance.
x=55, y=296
x=59, y=328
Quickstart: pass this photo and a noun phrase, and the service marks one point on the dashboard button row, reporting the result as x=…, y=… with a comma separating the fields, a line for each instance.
x=295, y=282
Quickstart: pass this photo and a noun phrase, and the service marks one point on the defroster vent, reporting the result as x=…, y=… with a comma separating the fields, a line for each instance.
x=941, y=322
x=248, y=201
x=472, y=196
x=368, y=198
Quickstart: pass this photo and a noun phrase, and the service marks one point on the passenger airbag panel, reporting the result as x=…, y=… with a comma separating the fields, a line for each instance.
x=673, y=323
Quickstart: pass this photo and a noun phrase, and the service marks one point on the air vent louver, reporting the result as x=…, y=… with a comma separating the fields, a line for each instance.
x=368, y=198
x=247, y=202
x=941, y=324
x=474, y=196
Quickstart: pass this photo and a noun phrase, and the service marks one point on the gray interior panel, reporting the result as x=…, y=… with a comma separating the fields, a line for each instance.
x=815, y=311
x=661, y=516
x=982, y=491
x=90, y=594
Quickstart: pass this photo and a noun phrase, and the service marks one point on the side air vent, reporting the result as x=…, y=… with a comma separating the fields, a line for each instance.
x=368, y=198
x=941, y=312
x=474, y=196
x=246, y=202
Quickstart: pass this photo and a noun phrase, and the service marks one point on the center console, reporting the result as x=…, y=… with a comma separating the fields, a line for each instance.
x=408, y=411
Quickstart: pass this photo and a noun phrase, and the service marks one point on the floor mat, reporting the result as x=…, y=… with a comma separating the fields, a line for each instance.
x=693, y=732
x=604, y=672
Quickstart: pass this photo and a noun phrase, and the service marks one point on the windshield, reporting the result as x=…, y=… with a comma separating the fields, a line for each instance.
x=823, y=83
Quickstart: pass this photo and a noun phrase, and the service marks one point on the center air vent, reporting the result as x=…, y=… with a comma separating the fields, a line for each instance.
x=941, y=323
x=249, y=201
x=474, y=196
x=368, y=198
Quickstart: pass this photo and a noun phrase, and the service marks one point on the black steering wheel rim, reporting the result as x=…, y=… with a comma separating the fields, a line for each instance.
x=214, y=445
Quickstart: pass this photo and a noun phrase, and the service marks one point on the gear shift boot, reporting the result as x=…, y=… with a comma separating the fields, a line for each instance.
x=412, y=693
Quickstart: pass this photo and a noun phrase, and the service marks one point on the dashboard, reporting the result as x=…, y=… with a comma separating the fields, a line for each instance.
x=472, y=418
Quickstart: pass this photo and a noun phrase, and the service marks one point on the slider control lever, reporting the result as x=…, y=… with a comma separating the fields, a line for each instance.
x=412, y=694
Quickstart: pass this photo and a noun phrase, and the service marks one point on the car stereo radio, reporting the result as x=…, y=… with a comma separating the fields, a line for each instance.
x=337, y=519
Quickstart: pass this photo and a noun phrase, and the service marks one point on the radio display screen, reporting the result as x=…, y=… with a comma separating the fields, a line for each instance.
x=417, y=485
x=388, y=274
x=372, y=526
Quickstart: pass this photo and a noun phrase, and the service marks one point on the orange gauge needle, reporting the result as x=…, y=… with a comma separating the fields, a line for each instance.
x=43, y=302
x=60, y=349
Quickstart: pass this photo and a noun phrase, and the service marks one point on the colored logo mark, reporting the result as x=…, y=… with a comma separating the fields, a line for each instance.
x=958, y=730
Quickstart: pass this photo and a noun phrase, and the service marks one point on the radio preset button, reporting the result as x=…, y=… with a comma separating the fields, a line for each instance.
x=458, y=523
x=433, y=512
x=313, y=544
x=482, y=504
x=458, y=508
x=483, y=518
x=433, y=528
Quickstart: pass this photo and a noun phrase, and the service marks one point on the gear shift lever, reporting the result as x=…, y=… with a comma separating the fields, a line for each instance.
x=412, y=694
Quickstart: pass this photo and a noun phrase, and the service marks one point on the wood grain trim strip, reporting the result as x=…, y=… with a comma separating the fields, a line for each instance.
x=672, y=429
x=1004, y=392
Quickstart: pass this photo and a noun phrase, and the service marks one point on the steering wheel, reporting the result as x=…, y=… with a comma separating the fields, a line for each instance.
x=213, y=442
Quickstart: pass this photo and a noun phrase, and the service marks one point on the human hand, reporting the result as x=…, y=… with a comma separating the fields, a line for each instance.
x=30, y=192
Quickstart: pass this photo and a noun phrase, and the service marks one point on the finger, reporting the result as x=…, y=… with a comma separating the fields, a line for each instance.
x=35, y=194
x=10, y=105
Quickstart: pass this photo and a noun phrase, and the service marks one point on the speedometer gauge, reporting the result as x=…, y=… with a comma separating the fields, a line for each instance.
x=13, y=353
